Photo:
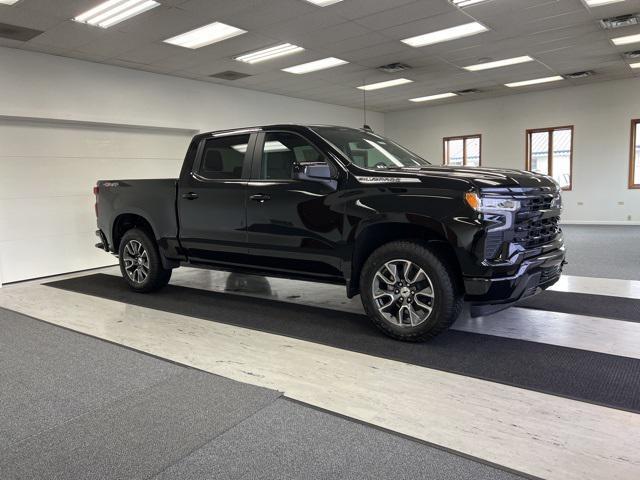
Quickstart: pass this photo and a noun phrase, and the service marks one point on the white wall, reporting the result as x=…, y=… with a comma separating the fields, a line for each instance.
x=65, y=123
x=45, y=86
x=601, y=113
x=47, y=172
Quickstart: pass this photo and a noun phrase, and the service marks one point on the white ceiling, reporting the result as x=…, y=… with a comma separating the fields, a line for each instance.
x=564, y=36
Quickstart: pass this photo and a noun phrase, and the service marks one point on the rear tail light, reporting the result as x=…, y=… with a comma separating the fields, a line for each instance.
x=96, y=190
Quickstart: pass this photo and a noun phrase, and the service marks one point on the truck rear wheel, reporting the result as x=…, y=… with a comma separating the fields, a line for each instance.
x=408, y=292
x=140, y=262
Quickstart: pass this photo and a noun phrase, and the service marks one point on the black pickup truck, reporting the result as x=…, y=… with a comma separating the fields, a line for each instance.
x=347, y=206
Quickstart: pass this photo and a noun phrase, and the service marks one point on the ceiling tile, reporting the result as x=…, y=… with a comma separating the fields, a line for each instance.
x=427, y=25
x=354, y=9
x=406, y=13
x=27, y=18
x=562, y=35
x=68, y=35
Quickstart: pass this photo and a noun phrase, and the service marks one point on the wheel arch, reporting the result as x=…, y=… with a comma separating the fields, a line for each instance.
x=374, y=236
x=126, y=221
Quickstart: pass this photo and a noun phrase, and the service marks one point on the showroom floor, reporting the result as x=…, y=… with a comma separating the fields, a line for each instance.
x=123, y=414
x=551, y=394
x=607, y=251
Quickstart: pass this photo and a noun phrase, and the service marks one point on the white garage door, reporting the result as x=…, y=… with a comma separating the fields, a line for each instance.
x=47, y=174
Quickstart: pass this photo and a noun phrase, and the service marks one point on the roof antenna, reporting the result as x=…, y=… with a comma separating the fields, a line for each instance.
x=364, y=111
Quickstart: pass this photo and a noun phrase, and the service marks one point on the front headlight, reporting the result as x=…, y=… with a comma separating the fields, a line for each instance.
x=491, y=204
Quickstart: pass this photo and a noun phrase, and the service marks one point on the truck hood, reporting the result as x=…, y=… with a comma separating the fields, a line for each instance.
x=483, y=177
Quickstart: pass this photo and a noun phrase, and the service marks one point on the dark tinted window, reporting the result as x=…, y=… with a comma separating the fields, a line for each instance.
x=223, y=157
x=282, y=151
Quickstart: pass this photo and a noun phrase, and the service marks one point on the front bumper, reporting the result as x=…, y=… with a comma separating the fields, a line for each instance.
x=490, y=295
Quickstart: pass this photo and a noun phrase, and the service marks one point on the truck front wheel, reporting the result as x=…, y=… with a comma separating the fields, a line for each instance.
x=408, y=292
x=140, y=262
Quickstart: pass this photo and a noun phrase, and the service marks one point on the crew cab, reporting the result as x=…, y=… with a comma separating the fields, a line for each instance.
x=347, y=206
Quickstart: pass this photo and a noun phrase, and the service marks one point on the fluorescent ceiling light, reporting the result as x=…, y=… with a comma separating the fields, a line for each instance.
x=388, y=83
x=535, y=81
x=635, y=65
x=466, y=3
x=323, y=3
x=8, y=2
x=329, y=62
x=269, y=53
x=433, y=97
x=499, y=63
x=445, y=35
x=626, y=40
x=597, y=3
x=203, y=36
x=112, y=12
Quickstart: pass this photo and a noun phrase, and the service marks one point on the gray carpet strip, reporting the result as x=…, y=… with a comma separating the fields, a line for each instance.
x=75, y=407
x=290, y=441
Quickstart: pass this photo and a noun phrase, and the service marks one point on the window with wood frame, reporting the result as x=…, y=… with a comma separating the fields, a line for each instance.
x=550, y=152
x=634, y=161
x=462, y=151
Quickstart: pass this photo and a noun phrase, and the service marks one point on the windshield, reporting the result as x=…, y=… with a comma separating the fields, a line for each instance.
x=368, y=150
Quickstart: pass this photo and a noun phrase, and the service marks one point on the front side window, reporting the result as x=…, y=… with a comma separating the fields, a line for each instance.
x=550, y=152
x=223, y=157
x=368, y=150
x=634, y=167
x=282, y=151
x=462, y=151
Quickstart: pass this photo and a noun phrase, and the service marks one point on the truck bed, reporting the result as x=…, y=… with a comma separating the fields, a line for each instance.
x=152, y=199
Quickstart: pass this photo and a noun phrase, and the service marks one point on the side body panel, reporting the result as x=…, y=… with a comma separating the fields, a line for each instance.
x=212, y=212
x=423, y=210
x=213, y=227
x=295, y=225
x=153, y=200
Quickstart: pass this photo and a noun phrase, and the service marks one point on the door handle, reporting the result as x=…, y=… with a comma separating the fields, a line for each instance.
x=190, y=196
x=260, y=197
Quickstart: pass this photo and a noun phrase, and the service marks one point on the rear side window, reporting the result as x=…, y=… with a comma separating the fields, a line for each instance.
x=282, y=151
x=223, y=157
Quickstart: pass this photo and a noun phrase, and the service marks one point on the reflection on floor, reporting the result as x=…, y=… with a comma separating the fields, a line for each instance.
x=540, y=434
